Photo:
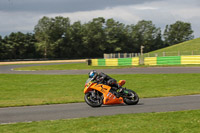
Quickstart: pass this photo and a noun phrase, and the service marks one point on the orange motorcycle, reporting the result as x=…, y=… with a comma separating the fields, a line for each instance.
x=98, y=94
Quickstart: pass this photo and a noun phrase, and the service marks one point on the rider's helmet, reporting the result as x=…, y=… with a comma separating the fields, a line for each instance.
x=92, y=74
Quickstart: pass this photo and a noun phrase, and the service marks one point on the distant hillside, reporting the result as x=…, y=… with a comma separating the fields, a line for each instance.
x=191, y=47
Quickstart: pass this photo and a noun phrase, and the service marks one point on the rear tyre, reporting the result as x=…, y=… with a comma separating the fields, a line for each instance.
x=132, y=99
x=92, y=101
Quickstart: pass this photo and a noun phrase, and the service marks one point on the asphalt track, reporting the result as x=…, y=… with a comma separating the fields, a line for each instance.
x=135, y=70
x=79, y=110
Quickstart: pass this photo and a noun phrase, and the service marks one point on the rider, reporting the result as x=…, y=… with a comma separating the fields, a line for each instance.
x=107, y=80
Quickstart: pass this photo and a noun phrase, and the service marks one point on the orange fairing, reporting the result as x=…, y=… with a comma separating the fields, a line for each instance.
x=109, y=98
x=99, y=87
x=122, y=82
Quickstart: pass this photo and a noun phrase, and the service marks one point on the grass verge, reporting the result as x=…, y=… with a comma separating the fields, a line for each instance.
x=168, y=122
x=184, y=48
x=20, y=90
x=79, y=66
x=74, y=66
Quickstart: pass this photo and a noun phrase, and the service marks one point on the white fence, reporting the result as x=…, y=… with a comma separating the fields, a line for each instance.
x=121, y=55
x=159, y=54
x=173, y=53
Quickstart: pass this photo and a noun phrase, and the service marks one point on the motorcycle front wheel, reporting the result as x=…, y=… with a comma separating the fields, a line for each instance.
x=93, y=101
x=132, y=99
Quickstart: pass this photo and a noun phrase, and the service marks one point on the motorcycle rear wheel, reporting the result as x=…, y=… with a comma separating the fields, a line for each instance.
x=131, y=100
x=92, y=101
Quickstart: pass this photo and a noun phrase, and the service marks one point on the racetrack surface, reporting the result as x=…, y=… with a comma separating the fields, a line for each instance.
x=80, y=110
x=135, y=70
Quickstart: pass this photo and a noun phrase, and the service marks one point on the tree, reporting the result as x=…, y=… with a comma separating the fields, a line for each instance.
x=60, y=37
x=30, y=48
x=115, y=36
x=177, y=33
x=18, y=46
x=42, y=34
x=144, y=33
x=57, y=38
x=48, y=32
x=94, y=38
x=1, y=48
x=77, y=34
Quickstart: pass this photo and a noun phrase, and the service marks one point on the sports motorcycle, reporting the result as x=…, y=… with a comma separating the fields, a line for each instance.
x=97, y=94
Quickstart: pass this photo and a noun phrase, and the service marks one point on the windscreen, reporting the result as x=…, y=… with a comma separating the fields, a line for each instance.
x=88, y=80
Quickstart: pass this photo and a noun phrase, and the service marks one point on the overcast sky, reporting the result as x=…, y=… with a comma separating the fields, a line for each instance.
x=23, y=15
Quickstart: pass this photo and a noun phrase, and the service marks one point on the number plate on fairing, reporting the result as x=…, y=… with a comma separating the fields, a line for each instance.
x=88, y=85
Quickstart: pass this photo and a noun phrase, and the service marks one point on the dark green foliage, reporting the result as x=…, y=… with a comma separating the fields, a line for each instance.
x=177, y=33
x=146, y=34
x=115, y=37
x=94, y=38
x=18, y=46
x=58, y=38
x=52, y=34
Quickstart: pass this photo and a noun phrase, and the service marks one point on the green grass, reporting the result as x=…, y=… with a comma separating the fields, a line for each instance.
x=74, y=66
x=20, y=90
x=184, y=48
x=168, y=122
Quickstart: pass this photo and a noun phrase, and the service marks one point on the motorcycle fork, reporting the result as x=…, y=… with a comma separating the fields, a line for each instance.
x=93, y=93
x=96, y=94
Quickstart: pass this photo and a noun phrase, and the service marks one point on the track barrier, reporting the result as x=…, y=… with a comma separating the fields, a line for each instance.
x=172, y=60
x=135, y=61
x=116, y=62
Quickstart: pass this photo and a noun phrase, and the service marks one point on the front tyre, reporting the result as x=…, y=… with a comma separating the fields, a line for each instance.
x=93, y=101
x=132, y=98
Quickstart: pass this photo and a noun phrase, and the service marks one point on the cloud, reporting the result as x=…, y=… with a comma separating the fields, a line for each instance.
x=118, y=13
x=59, y=6
x=161, y=12
x=17, y=21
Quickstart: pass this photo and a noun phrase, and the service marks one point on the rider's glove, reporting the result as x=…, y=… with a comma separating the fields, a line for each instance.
x=100, y=79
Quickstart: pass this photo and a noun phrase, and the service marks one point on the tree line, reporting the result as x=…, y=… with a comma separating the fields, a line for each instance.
x=58, y=38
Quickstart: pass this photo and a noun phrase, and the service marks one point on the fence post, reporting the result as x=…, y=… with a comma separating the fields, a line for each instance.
x=141, y=60
x=125, y=55
x=163, y=53
x=105, y=56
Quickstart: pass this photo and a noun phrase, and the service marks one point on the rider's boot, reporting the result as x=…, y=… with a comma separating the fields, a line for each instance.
x=120, y=92
x=117, y=94
x=123, y=91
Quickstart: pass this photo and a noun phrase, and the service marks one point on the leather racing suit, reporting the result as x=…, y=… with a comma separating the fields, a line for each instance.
x=107, y=80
